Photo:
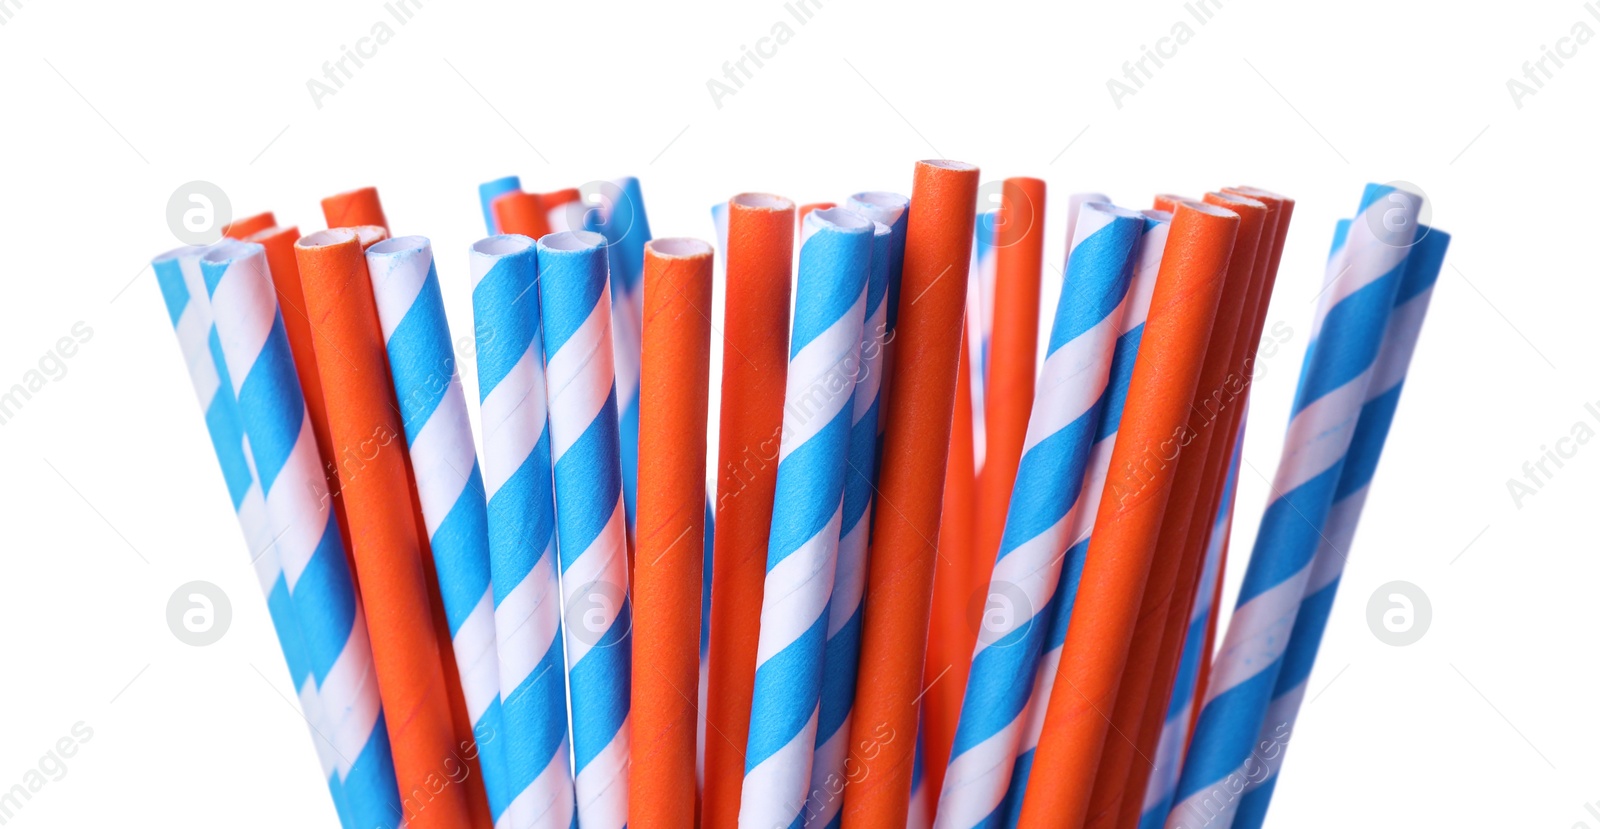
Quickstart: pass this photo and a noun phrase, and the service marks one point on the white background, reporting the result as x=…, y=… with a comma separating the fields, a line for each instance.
x=111, y=496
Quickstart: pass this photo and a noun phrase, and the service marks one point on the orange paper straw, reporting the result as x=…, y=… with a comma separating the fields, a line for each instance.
x=1217, y=396
x=1182, y=309
x=894, y=637
x=800, y=218
x=521, y=213
x=357, y=207
x=959, y=575
x=755, y=366
x=250, y=225
x=674, y=376
x=370, y=453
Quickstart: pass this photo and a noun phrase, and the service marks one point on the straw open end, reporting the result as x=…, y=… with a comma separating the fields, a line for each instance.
x=678, y=248
x=762, y=201
x=572, y=240
x=326, y=238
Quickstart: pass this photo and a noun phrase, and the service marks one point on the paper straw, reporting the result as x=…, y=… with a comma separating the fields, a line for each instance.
x=1129, y=513
x=890, y=209
x=807, y=515
x=828, y=770
x=1354, y=315
x=433, y=411
x=1232, y=403
x=808, y=209
x=1422, y=265
x=675, y=376
x=581, y=389
x=564, y=209
x=1061, y=430
x=488, y=192
x=385, y=545
x=184, y=290
x=522, y=532
x=1136, y=309
x=1175, y=726
x=916, y=446
x=1075, y=203
x=520, y=213
x=244, y=228
x=357, y=207
x=920, y=809
x=1216, y=398
x=258, y=366
x=980, y=327
x=754, y=367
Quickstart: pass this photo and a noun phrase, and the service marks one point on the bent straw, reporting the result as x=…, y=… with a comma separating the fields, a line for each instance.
x=356, y=207
x=1147, y=265
x=1354, y=314
x=522, y=532
x=754, y=367
x=250, y=225
x=383, y=530
x=916, y=447
x=1215, y=402
x=184, y=290
x=256, y=360
x=1065, y=417
x=1130, y=511
x=488, y=192
x=828, y=768
x=1422, y=266
x=674, y=378
x=807, y=514
x=580, y=386
x=433, y=411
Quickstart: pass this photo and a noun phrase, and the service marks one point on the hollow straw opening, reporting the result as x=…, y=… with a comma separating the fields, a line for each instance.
x=571, y=240
x=1208, y=209
x=762, y=201
x=1112, y=210
x=399, y=244
x=369, y=235
x=503, y=245
x=882, y=199
x=678, y=248
x=947, y=164
x=177, y=254
x=326, y=238
x=1158, y=215
x=1236, y=198
x=228, y=250
x=838, y=218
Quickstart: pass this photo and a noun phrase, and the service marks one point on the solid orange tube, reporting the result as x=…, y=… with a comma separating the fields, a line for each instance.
x=357, y=207
x=1128, y=520
x=916, y=445
x=755, y=365
x=674, y=376
x=370, y=453
x=523, y=213
x=956, y=581
x=250, y=225
x=1216, y=396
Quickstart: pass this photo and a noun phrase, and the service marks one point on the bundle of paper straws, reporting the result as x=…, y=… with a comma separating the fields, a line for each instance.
x=952, y=583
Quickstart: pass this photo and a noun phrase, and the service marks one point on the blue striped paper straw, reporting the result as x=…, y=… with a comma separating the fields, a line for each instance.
x=491, y=190
x=580, y=386
x=850, y=571
x=808, y=512
x=1372, y=430
x=1354, y=316
x=1180, y=708
x=521, y=532
x=1147, y=265
x=980, y=324
x=1075, y=203
x=184, y=290
x=405, y=286
x=257, y=361
x=893, y=210
x=1045, y=499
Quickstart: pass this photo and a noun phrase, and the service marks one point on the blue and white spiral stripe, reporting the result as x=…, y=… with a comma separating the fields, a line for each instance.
x=277, y=430
x=1045, y=501
x=1180, y=708
x=1372, y=430
x=521, y=534
x=491, y=190
x=1136, y=309
x=580, y=387
x=433, y=409
x=808, y=513
x=1346, y=335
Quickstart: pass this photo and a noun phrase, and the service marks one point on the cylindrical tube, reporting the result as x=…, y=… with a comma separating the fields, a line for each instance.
x=373, y=482
x=754, y=367
x=488, y=192
x=522, y=531
x=356, y=207
x=808, y=209
x=1130, y=511
x=520, y=213
x=807, y=513
x=256, y=359
x=580, y=385
x=1066, y=415
x=249, y=225
x=433, y=411
x=1347, y=333
x=900, y=567
x=674, y=378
